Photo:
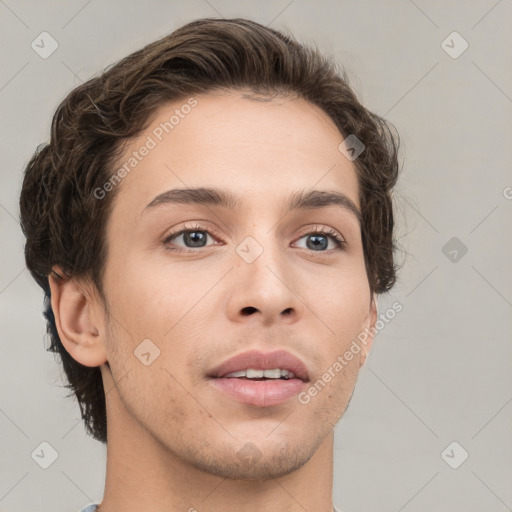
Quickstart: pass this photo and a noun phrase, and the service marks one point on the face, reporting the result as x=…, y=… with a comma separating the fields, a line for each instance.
x=255, y=277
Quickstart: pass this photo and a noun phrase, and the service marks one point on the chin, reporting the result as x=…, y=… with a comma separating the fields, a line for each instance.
x=251, y=463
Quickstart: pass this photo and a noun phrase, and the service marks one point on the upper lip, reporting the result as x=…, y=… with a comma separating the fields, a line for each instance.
x=258, y=360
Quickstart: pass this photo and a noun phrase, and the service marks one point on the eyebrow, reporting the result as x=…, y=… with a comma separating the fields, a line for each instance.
x=314, y=199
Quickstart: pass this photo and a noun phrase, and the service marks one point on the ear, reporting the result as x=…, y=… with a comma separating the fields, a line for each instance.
x=370, y=330
x=78, y=318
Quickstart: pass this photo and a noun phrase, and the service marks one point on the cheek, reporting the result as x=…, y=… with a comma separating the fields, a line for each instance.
x=342, y=301
x=149, y=299
x=162, y=303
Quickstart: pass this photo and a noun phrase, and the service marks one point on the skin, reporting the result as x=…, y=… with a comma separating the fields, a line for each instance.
x=173, y=441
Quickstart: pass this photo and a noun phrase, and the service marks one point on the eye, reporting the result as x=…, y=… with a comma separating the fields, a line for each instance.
x=196, y=237
x=318, y=236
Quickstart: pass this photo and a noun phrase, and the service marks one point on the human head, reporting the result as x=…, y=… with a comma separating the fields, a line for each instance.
x=66, y=224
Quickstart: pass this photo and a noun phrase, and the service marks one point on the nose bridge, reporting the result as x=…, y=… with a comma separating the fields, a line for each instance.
x=262, y=251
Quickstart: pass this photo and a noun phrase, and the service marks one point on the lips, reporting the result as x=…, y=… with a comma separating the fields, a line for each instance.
x=260, y=392
x=257, y=360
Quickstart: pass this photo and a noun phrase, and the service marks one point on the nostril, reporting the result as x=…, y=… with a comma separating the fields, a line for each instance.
x=248, y=310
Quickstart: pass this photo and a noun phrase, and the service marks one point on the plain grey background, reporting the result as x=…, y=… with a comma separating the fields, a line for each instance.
x=439, y=373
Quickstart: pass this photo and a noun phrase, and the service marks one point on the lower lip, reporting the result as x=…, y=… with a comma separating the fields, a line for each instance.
x=262, y=393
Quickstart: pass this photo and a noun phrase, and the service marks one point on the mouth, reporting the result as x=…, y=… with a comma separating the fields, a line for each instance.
x=260, y=379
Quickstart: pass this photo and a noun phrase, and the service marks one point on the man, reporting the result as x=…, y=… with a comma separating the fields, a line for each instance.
x=211, y=222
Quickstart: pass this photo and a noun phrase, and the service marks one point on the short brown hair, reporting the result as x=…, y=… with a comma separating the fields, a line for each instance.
x=64, y=222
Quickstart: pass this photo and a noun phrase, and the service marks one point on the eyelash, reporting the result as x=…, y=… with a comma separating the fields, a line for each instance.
x=316, y=230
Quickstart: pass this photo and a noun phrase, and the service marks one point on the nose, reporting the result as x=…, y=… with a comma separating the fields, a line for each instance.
x=264, y=285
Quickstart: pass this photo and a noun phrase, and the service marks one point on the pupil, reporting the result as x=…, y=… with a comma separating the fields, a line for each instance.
x=195, y=237
x=315, y=244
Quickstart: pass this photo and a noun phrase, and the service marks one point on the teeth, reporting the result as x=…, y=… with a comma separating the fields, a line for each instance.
x=254, y=374
x=236, y=374
x=272, y=374
x=251, y=373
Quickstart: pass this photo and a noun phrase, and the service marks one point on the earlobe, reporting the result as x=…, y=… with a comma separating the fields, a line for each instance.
x=77, y=319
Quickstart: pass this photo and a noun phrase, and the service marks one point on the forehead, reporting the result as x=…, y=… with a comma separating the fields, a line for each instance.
x=260, y=150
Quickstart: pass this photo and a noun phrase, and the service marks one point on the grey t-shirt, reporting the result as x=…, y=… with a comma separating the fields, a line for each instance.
x=92, y=508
